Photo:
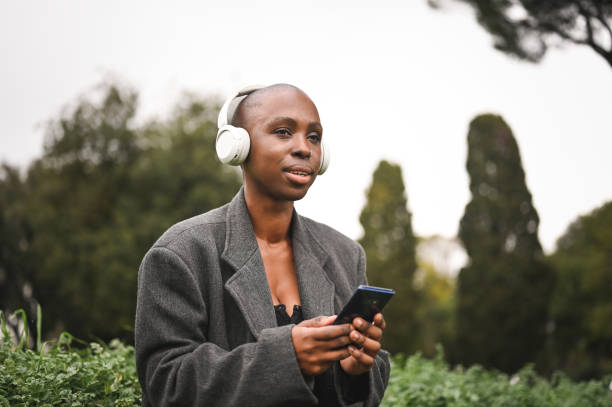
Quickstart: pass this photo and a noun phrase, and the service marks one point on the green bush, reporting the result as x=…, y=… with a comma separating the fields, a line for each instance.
x=431, y=383
x=59, y=374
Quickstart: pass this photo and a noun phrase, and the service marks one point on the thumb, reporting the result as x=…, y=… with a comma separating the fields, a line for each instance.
x=318, y=321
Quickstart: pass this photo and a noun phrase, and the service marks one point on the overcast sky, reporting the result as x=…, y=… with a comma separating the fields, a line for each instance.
x=392, y=80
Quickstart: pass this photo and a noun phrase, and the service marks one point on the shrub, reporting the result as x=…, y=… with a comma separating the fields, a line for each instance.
x=431, y=383
x=97, y=374
x=62, y=375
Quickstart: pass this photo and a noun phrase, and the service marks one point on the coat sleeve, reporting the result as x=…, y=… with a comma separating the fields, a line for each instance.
x=364, y=390
x=176, y=363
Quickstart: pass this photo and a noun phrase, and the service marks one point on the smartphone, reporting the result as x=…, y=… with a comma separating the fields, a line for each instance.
x=366, y=302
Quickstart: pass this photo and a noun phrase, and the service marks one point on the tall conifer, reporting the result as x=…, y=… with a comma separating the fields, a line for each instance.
x=503, y=291
x=390, y=249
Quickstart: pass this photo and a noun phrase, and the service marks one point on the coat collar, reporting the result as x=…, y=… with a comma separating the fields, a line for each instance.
x=249, y=284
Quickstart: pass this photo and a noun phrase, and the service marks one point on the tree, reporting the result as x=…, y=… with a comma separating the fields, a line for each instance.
x=503, y=290
x=435, y=309
x=103, y=192
x=527, y=28
x=390, y=251
x=581, y=307
x=438, y=259
x=15, y=239
x=71, y=195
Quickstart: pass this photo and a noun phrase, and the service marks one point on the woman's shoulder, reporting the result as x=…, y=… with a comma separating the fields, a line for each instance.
x=329, y=237
x=201, y=228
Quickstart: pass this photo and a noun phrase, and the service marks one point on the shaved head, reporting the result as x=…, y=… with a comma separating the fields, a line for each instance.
x=241, y=115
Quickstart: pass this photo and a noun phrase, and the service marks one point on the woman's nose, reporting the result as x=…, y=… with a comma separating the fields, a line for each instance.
x=301, y=147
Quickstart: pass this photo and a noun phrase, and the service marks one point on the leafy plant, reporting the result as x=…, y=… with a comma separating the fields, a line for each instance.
x=417, y=381
x=58, y=374
x=96, y=374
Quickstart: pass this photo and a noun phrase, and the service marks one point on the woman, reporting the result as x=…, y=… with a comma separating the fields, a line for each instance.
x=235, y=306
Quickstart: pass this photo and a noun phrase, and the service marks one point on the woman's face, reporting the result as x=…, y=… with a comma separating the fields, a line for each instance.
x=285, y=154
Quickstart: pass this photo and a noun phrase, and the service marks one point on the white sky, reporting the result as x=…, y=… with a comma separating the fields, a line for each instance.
x=397, y=81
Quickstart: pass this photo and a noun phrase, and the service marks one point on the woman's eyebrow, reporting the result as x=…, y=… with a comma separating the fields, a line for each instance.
x=293, y=123
x=315, y=126
x=284, y=120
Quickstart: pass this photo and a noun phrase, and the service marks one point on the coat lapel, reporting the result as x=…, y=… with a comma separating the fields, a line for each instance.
x=316, y=289
x=249, y=284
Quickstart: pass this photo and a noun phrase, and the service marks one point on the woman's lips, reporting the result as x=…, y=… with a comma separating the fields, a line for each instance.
x=299, y=175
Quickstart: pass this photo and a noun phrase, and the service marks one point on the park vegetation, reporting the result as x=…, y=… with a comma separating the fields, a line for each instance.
x=57, y=373
x=75, y=224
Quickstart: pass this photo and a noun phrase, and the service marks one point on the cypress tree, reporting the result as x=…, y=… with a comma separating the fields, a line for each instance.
x=390, y=251
x=503, y=291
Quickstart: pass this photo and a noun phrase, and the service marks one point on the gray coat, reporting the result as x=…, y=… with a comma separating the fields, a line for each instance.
x=206, y=332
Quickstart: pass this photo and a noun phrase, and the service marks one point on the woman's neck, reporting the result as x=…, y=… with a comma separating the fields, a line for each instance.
x=271, y=219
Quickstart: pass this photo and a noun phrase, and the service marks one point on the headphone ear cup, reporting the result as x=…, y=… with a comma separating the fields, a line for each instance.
x=325, y=157
x=232, y=144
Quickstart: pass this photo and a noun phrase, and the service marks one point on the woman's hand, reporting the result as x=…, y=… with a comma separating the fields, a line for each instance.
x=318, y=345
x=365, y=345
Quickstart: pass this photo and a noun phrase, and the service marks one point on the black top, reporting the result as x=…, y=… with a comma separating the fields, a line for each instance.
x=282, y=318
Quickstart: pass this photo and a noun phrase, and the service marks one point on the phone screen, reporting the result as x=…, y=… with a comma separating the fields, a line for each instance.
x=366, y=302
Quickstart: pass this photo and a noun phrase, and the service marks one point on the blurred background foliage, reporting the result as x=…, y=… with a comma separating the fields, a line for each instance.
x=502, y=293
x=75, y=225
x=390, y=253
x=525, y=29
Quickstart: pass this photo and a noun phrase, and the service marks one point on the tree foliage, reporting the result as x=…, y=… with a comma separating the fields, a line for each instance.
x=527, y=28
x=436, y=304
x=101, y=194
x=390, y=250
x=581, y=306
x=15, y=239
x=503, y=291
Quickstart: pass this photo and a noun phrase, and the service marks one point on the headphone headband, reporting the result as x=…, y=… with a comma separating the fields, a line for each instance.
x=228, y=110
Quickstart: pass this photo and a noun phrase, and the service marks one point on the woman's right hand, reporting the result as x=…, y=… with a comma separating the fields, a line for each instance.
x=318, y=344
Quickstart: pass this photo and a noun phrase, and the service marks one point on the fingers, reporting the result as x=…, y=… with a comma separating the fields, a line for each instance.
x=362, y=342
x=324, y=338
x=316, y=355
x=364, y=359
x=338, y=354
x=379, y=321
x=321, y=328
x=373, y=331
x=319, y=344
x=318, y=321
x=319, y=356
x=327, y=333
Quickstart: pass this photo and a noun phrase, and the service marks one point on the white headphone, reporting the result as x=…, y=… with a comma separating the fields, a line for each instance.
x=233, y=143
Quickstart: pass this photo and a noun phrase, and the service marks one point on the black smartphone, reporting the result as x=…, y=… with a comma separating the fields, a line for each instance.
x=366, y=302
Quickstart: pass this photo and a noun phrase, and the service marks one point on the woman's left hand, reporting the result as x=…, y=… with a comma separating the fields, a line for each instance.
x=365, y=338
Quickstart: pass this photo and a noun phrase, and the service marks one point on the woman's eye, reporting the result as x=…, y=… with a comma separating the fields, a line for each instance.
x=282, y=132
x=315, y=137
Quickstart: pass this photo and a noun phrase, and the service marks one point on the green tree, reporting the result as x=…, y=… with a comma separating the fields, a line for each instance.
x=503, y=291
x=390, y=250
x=435, y=286
x=527, y=28
x=103, y=192
x=581, y=307
x=435, y=309
x=15, y=239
